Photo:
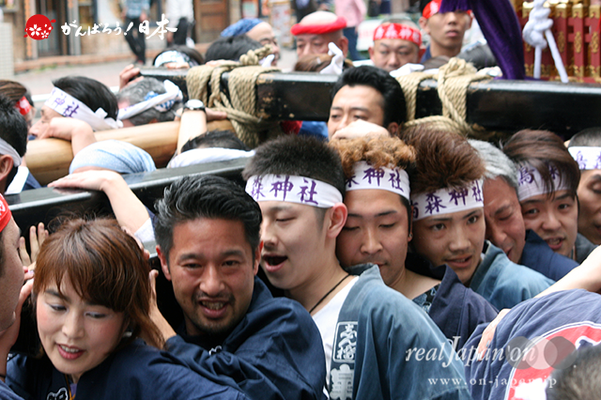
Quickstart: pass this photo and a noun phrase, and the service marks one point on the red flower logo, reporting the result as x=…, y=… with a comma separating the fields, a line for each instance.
x=38, y=27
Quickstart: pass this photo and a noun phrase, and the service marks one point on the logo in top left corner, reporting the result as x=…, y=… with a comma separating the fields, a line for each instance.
x=38, y=27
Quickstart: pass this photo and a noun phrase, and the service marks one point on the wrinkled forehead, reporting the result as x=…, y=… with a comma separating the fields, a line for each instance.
x=394, y=44
x=261, y=31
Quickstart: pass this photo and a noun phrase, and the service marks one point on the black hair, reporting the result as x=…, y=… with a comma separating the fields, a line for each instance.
x=217, y=138
x=136, y=93
x=297, y=155
x=13, y=127
x=543, y=149
x=589, y=137
x=394, y=100
x=211, y=197
x=231, y=48
x=89, y=91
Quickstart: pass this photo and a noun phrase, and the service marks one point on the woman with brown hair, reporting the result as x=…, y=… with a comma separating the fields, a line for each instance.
x=92, y=294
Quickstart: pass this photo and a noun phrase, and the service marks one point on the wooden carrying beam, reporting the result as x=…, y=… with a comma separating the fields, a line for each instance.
x=497, y=105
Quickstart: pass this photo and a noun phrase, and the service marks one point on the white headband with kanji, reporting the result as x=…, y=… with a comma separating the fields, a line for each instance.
x=447, y=200
x=365, y=176
x=293, y=189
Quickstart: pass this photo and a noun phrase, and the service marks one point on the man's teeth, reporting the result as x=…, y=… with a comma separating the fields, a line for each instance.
x=70, y=350
x=554, y=241
x=211, y=305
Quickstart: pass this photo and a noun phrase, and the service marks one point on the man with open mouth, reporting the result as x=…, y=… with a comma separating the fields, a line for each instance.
x=367, y=328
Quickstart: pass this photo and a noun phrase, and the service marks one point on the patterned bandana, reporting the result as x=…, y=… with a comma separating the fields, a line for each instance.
x=293, y=189
x=431, y=8
x=365, y=176
x=398, y=31
x=23, y=106
x=447, y=200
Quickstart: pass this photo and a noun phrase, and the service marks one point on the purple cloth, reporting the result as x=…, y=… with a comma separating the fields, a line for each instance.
x=501, y=28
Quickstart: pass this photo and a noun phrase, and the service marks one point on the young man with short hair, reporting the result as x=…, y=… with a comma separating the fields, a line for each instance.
x=449, y=225
x=235, y=332
x=395, y=45
x=368, y=94
x=378, y=231
x=504, y=222
x=548, y=180
x=446, y=30
x=368, y=329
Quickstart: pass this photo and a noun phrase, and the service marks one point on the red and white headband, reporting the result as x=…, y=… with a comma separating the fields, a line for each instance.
x=530, y=182
x=23, y=106
x=293, y=189
x=433, y=7
x=318, y=29
x=393, y=180
x=5, y=213
x=398, y=31
x=587, y=157
x=447, y=200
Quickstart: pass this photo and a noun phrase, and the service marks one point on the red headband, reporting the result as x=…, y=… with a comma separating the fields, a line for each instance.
x=23, y=106
x=5, y=213
x=433, y=7
x=398, y=31
x=320, y=29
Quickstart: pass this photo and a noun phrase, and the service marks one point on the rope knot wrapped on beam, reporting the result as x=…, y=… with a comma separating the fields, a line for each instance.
x=239, y=99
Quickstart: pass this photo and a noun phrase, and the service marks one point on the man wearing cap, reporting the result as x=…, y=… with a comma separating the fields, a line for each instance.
x=255, y=29
x=315, y=31
x=395, y=45
x=446, y=30
x=12, y=291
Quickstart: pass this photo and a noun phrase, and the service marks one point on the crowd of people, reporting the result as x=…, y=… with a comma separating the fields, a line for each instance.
x=363, y=259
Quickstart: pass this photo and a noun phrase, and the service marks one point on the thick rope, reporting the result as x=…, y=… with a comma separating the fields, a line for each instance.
x=453, y=79
x=241, y=105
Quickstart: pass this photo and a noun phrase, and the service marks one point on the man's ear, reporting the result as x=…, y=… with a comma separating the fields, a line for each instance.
x=258, y=257
x=6, y=165
x=393, y=128
x=423, y=23
x=337, y=219
x=343, y=45
x=164, y=263
x=371, y=52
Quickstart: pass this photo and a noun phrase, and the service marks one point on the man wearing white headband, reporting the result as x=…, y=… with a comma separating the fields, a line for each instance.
x=548, y=179
x=504, y=221
x=366, y=327
x=14, y=177
x=148, y=101
x=449, y=226
x=378, y=230
x=585, y=147
x=81, y=98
